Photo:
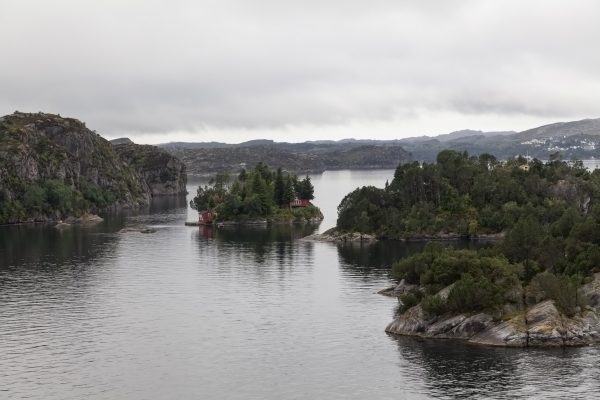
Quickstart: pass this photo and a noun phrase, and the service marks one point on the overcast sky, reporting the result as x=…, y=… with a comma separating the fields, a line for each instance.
x=234, y=70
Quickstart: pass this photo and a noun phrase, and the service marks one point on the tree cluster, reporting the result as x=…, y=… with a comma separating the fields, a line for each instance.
x=468, y=196
x=256, y=193
x=53, y=198
x=548, y=214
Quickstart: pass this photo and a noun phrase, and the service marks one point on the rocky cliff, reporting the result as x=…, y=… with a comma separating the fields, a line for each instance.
x=53, y=167
x=540, y=325
x=162, y=173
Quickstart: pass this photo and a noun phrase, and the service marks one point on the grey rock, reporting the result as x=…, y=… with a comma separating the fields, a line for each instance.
x=545, y=325
x=511, y=333
x=410, y=323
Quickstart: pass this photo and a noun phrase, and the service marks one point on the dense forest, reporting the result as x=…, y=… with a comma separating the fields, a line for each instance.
x=469, y=196
x=259, y=193
x=548, y=214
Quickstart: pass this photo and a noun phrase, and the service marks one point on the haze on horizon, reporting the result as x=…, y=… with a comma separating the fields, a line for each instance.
x=234, y=70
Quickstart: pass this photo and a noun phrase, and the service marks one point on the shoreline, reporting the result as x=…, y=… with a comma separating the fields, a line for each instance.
x=331, y=235
x=258, y=222
x=539, y=325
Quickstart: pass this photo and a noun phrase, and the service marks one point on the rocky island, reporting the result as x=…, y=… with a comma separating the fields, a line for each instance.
x=536, y=284
x=53, y=168
x=491, y=301
x=258, y=196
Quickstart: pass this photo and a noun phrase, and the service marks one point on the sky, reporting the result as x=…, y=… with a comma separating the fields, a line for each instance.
x=236, y=70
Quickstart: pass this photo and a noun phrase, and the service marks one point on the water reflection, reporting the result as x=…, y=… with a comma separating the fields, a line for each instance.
x=377, y=258
x=454, y=369
x=42, y=244
x=260, y=242
x=172, y=204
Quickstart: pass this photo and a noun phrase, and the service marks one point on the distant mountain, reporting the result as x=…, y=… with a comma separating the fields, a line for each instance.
x=470, y=133
x=563, y=129
x=573, y=140
x=297, y=158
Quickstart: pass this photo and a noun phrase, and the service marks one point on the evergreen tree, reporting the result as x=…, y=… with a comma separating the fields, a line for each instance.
x=305, y=189
x=279, y=189
x=288, y=193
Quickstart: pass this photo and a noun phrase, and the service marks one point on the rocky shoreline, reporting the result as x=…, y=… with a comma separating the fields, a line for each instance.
x=332, y=236
x=541, y=325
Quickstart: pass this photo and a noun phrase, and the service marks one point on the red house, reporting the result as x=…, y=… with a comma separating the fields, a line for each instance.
x=205, y=217
x=300, y=203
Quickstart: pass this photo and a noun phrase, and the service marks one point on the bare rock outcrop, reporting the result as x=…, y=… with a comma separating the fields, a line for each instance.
x=542, y=325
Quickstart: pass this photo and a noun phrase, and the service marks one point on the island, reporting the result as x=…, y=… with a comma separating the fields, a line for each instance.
x=536, y=284
x=56, y=169
x=257, y=196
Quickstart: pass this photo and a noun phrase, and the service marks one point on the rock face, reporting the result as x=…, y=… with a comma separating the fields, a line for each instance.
x=53, y=167
x=162, y=173
x=542, y=325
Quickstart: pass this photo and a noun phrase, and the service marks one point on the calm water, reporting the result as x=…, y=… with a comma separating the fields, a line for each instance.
x=107, y=313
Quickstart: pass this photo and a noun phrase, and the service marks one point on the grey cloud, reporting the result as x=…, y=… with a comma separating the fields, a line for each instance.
x=154, y=66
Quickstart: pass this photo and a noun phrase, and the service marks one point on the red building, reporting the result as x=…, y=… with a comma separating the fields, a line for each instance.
x=300, y=203
x=205, y=217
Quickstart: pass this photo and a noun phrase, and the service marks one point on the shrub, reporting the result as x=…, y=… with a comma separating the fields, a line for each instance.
x=409, y=300
x=434, y=305
x=474, y=294
x=562, y=289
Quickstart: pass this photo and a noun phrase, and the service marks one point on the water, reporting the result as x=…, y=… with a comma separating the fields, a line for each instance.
x=107, y=313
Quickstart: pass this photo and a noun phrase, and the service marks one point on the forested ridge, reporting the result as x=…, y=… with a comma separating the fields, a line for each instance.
x=548, y=214
x=469, y=196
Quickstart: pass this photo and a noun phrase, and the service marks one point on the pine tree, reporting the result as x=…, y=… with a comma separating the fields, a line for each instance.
x=289, y=192
x=305, y=189
x=279, y=189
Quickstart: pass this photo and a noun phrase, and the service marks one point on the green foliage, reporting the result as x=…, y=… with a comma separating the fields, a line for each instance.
x=305, y=189
x=470, y=196
x=258, y=193
x=409, y=299
x=95, y=195
x=522, y=241
x=434, y=305
x=11, y=211
x=480, y=279
x=549, y=214
x=478, y=293
x=35, y=199
x=279, y=189
x=562, y=289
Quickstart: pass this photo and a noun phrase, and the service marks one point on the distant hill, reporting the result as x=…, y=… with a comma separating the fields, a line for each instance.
x=564, y=129
x=297, y=158
x=466, y=133
x=573, y=140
